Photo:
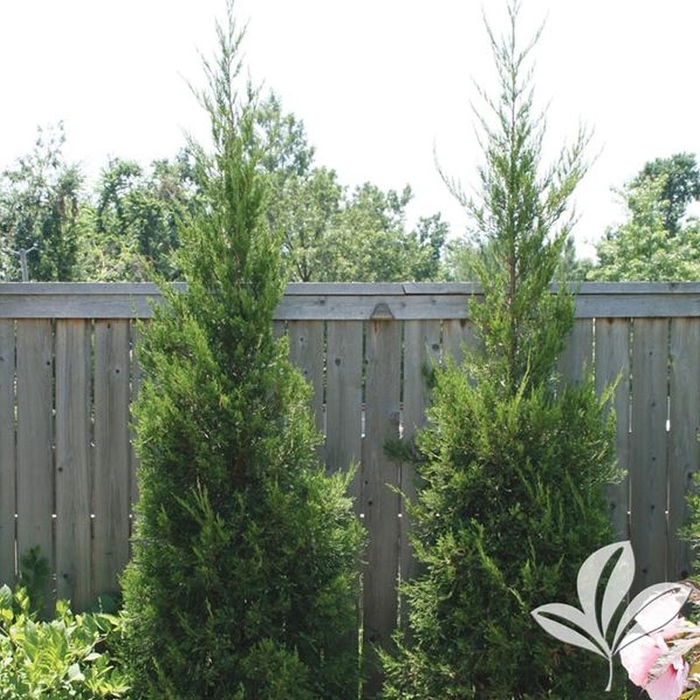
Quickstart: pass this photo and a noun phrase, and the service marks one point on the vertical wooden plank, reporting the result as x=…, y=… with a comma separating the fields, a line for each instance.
x=73, y=434
x=136, y=381
x=577, y=355
x=111, y=488
x=307, y=353
x=344, y=416
x=8, y=506
x=612, y=367
x=344, y=400
x=648, y=461
x=279, y=329
x=35, y=482
x=458, y=334
x=380, y=503
x=684, y=448
x=421, y=353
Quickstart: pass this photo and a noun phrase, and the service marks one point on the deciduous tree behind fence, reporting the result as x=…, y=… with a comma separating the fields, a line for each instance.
x=68, y=374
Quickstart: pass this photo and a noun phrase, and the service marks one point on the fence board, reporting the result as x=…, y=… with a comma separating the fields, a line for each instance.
x=344, y=400
x=35, y=503
x=358, y=307
x=577, y=356
x=456, y=335
x=421, y=354
x=111, y=488
x=73, y=436
x=380, y=503
x=343, y=446
x=649, y=449
x=136, y=379
x=612, y=367
x=345, y=301
x=8, y=506
x=307, y=352
x=684, y=448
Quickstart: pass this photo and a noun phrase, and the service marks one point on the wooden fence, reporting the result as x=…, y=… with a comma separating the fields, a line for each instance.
x=68, y=376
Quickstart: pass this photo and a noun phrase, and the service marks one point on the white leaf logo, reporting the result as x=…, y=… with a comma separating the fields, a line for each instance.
x=590, y=627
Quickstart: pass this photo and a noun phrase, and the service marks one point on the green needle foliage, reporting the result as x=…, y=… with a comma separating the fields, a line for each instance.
x=244, y=577
x=513, y=460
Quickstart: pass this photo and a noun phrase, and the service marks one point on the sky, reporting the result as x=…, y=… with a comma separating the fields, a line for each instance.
x=384, y=87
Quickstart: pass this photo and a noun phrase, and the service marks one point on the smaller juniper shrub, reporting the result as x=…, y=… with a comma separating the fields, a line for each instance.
x=513, y=460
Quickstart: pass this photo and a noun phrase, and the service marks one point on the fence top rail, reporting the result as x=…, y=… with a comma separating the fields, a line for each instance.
x=346, y=301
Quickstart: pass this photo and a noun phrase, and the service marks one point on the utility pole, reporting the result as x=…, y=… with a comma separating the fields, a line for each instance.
x=22, y=255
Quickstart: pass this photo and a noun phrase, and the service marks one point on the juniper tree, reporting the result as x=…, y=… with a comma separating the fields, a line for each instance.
x=514, y=461
x=243, y=580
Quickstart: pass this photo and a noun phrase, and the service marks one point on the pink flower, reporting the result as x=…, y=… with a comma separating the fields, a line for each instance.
x=653, y=665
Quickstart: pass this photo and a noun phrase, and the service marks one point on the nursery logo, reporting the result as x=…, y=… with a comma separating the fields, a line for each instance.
x=603, y=627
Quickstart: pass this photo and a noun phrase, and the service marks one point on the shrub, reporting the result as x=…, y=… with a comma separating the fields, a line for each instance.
x=510, y=507
x=514, y=461
x=244, y=578
x=65, y=657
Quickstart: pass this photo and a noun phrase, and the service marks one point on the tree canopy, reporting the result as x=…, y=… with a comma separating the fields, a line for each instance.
x=124, y=227
x=41, y=201
x=657, y=242
x=679, y=179
x=331, y=233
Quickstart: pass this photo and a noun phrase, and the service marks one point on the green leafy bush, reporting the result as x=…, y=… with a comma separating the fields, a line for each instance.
x=244, y=578
x=65, y=657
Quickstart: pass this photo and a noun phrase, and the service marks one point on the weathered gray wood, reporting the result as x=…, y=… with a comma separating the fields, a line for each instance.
x=111, y=463
x=684, y=448
x=343, y=447
x=344, y=401
x=612, y=368
x=379, y=476
x=35, y=466
x=306, y=350
x=279, y=328
x=136, y=380
x=423, y=306
x=76, y=300
x=374, y=289
x=73, y=436
x=637, y=306
x=648, y=458
x=349, y=301
x=8, y=506
x=457, y=335
x=577, y=356
x=355, y=307
x=313, y=301
x=422, y=351
x=637, y=299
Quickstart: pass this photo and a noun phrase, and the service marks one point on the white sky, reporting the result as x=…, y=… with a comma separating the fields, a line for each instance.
x=378, y=83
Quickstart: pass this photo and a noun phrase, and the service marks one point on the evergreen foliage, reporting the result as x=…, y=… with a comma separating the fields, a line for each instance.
x=244, y=576
x=690, y=532
x=514, y=461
